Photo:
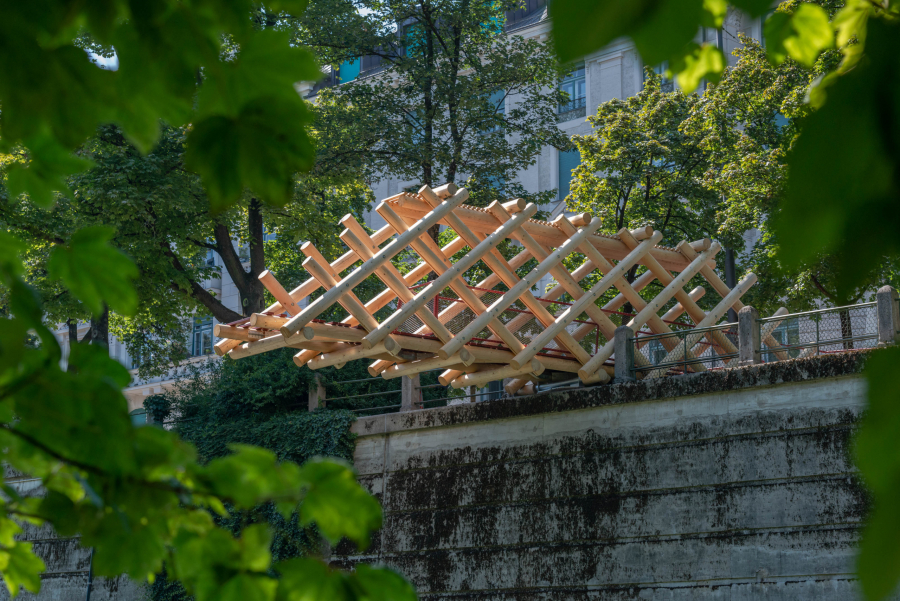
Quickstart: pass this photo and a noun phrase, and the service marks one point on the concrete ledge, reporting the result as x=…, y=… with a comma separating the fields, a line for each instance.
x=768, y=374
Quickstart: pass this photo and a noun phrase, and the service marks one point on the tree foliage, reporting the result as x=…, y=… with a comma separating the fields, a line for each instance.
x=453, y=97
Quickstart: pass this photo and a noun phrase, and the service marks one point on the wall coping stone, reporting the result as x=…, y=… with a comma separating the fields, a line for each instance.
x=570, y=399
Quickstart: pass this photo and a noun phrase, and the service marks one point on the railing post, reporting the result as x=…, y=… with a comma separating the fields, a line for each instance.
x=749, y=346
x=888, y=313
x=410, y=395
x=623, y=346
x=316, y=393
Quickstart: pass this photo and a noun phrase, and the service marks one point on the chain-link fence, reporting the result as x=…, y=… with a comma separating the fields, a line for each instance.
x=834, y=330
x=684, y=350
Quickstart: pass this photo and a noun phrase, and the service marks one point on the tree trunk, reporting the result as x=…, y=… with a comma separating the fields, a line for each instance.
x=846, y=329
x=100, y=328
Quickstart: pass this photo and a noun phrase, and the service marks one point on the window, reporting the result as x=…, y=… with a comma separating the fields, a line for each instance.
x=665, y=84
x=139, y=417
x=498, y=100
x=787, y=334
x=348, y=71
x=573, y=85
x=210, y=258
x=568, y=161
x=203, y=336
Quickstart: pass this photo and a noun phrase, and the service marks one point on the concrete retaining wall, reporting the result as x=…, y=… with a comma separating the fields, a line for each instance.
x=728, y=485
x=66, y=560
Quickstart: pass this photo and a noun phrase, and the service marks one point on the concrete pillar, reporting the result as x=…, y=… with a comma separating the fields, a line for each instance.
x=888, y=311
x=317, y=393
x=410, y=395
x=623, y=345
x=748, y=337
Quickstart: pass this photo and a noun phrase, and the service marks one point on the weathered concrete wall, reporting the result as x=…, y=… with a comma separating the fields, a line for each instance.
x=729, y=485
x=67, y=562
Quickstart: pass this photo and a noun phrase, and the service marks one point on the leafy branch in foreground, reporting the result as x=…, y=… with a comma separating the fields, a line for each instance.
x=139, y=496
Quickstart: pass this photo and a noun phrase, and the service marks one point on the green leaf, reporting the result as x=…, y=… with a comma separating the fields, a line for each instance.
x=95, y=272
x=310, y=580
x=94, y=361
x=754, y=8
x=879, y=462
x=695, y=64
x=247, y=587
x=666, y=30
x=45, y=173
x=714, y=12
x=382, y=584
x=842, y=192
x=802, y=35
x=582, y=26
x=21, y=568
x=336, y=502
x=261, y=149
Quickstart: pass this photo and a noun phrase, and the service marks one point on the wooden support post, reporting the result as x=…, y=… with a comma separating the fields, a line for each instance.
x=393, y=280
x=589, y=372
x=451, y=276
x=480, y=378
x=495, y=261
x=359, y=274
x=516, y=385
x=316, y=393
x=410, y=393
x=547, y=263
x=575, y=309
x=676, y=311
x=710, y=320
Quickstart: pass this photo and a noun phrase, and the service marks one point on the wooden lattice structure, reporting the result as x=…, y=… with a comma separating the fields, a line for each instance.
x=478, y=334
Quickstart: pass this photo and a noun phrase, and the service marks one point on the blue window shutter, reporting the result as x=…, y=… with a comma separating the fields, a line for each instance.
x=349, y=71
x=568, y=161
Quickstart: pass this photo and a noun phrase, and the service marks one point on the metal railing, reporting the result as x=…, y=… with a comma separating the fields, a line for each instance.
x=678, y=352
x=823, y=331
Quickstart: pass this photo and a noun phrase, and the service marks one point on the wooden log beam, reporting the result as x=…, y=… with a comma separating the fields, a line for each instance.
x=463, y=359
x=419, y=272
x=480, y=290
x=449, y=275
x=244, y=334
x=575, y=309
x=354, y=278
x=391, y=278
x=288, y=304
x=348, y=300
x=547, y=263
x=480, y=378
x=476, y=219
x=710, y=320
x=692, y=308
x=607, y=328
x=589, y=372
x=388, y=347
x=498, y=264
